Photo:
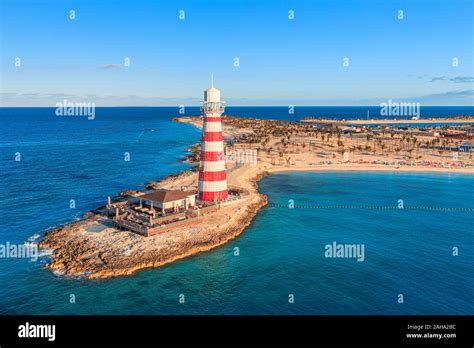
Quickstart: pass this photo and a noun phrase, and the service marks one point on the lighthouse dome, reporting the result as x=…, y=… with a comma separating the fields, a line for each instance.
x=212, y=95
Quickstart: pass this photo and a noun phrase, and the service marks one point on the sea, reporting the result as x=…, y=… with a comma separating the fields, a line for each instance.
x=417, y=260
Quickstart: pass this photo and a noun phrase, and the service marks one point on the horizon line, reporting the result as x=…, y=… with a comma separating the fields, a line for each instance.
x=234, y=106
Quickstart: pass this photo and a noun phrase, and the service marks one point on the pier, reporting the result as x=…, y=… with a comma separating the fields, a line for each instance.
x=313, y=120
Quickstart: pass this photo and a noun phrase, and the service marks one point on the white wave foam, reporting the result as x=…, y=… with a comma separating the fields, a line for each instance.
x=34, y=237
x=45, y=252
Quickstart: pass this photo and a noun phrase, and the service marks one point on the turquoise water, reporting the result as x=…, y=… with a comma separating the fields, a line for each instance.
x=407, y=252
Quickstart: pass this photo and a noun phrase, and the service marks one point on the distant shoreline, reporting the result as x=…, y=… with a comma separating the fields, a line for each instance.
x=238, y=106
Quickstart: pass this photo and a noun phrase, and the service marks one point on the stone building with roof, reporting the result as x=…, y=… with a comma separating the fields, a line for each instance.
x=167, y=200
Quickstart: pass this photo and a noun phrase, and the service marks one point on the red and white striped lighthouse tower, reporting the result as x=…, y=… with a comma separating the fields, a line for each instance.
x=212, y=175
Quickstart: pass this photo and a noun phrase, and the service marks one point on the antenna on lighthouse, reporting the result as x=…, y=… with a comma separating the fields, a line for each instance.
x=212, y=80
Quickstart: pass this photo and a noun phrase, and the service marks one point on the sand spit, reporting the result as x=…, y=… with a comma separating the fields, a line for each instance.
x=80, y=252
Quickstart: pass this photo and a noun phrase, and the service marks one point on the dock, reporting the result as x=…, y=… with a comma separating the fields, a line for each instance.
x=359, y=122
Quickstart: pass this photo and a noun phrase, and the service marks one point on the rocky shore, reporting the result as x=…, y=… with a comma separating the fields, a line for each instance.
x=79, y=251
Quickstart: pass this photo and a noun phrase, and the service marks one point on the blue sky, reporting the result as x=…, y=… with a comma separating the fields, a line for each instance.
x=282, y=61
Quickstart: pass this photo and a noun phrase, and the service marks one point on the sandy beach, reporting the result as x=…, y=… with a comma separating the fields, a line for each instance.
x=78, y=250
x=302, y=154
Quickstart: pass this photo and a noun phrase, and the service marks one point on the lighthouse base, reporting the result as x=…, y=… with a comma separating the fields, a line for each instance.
x=213, y=196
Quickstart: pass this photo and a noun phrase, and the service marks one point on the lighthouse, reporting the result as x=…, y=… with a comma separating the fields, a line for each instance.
x=212, y=174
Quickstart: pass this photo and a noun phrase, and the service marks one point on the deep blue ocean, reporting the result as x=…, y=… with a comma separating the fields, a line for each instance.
x=407, y=252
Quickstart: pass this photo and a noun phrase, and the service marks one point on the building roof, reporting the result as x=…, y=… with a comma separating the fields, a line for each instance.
x=164, y=196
